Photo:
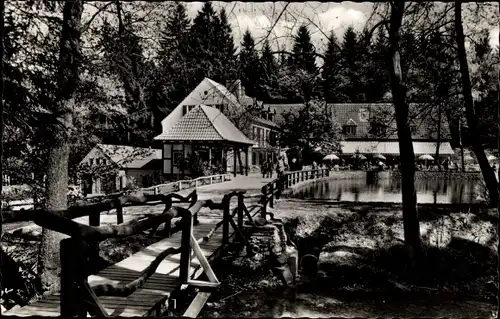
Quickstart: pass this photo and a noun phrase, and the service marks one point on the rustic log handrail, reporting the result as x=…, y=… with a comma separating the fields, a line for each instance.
x=273, y=189
x=155, y=189
x=79, y=247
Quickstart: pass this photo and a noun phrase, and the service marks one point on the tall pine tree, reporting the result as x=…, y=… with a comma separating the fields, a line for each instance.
x=249, y=65
x=226, y=48
x=304, y=56
x=211, y=46
x=331, y=79
x=174, y=36
x=377, y=79
x=166, y=92
x=203, y=44
x=352, y=87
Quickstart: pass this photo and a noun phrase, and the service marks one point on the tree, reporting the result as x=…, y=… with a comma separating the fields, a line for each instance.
x=351, y=71
x=2, y=35
x=173, y=81
x=377, y=78
x=303, y=51
x=60, y=130
x=398, y=88
x=470, y=112
x=249, y=65
x=225, y=40
x=204, y=43
x=269, y=67
x=174, y=35
x=311, y=127
x=330, y=72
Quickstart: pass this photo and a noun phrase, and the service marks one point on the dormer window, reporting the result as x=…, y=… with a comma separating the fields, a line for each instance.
x=350, y=128
x=378, y=129
x=187, y=108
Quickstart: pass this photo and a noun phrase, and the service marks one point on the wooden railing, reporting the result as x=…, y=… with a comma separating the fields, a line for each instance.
x=188, y=183
x=273, y=189
x=78, y=253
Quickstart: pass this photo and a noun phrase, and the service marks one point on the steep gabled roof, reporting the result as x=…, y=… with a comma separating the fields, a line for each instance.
x=204, y=123
x=129, y=156
x=364, y=114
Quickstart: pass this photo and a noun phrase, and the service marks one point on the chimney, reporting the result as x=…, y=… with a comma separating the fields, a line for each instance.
x=234, y=86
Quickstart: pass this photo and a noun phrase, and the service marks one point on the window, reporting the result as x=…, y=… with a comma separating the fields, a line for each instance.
x=254, y=133
x=104, y=161
x=378, y=129
x=254, y=158
x=350, y=130
x=91, y=161
x=98, y=161
x=186, y=109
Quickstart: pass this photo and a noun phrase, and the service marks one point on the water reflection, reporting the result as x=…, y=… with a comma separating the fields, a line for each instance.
x=389, y=190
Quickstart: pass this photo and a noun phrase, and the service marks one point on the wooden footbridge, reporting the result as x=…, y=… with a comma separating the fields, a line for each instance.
x=146, y=283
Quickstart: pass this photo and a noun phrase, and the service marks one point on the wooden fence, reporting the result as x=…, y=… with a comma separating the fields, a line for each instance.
x=188, y=183
x=81, y=250
x=273, y=190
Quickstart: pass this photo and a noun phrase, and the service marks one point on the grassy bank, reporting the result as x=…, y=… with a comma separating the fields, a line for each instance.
x=362, y=266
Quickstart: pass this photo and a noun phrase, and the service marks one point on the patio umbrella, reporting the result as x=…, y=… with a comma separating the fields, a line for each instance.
x=379, y=156
x=468, y=158
x=330, y=157
x=491, y=158
x=359, y=156
x=426, y=157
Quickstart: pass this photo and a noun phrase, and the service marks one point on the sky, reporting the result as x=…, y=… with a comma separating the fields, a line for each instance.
x=322, y=18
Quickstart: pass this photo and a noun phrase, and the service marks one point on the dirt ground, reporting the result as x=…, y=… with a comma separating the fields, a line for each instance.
x=362, y=269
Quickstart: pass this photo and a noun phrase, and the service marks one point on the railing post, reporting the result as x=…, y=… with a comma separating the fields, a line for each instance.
x=240, y=211
x=226, y=215
x=93, y=249
x=271, y=199
x=119, y=214
x=264, y=205
x=74, y=268
x=185, y=263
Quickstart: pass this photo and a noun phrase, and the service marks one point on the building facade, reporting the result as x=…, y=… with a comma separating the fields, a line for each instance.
x=370, y=128
x=111, y=168
x=237, y=128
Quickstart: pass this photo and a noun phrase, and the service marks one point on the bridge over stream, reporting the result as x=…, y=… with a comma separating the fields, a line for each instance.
x=145, y=284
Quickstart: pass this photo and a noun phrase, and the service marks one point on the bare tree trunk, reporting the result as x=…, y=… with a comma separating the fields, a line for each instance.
x=410, y=214
x=57, y=166
x=2, y=34
x=477, y=147
x=438, y=142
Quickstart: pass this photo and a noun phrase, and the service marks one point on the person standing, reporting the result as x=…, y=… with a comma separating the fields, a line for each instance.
x=280, y=167
x=269, y=170
x=263, y=169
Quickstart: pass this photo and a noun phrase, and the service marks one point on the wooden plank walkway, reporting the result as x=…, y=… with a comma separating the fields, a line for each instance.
x=154, y=293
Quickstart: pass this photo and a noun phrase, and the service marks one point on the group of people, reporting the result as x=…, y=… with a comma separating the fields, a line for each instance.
x=267, y=168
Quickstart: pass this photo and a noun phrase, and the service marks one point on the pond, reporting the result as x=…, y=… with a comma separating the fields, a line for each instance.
x=444, y=191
